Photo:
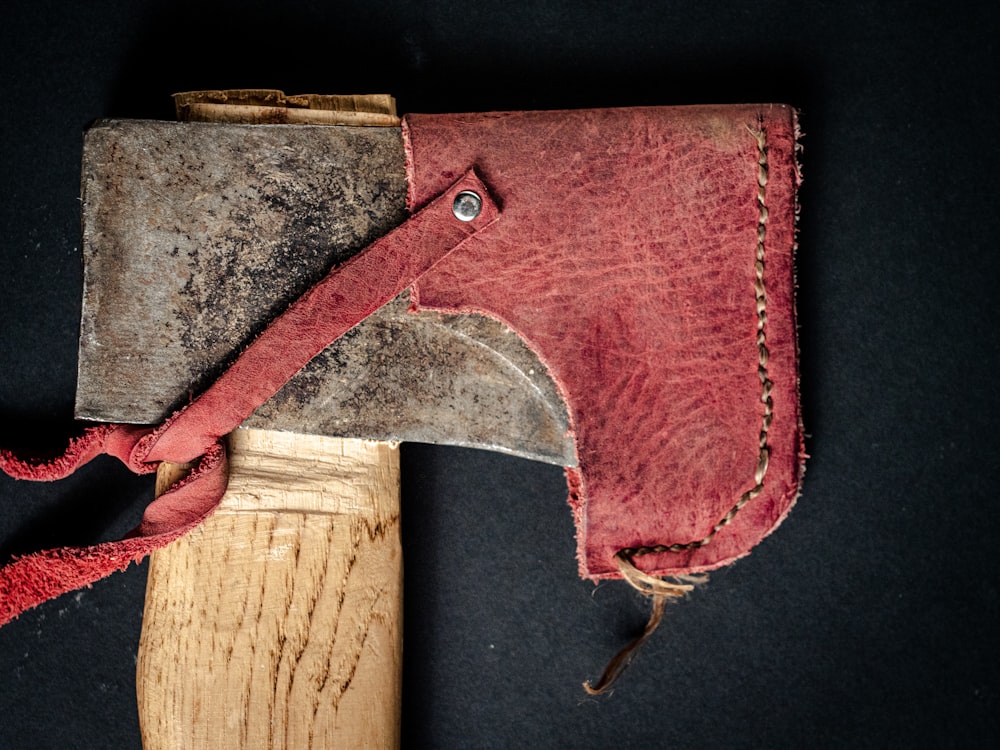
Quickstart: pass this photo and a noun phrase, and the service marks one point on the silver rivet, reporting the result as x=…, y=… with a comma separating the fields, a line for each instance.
x=467, y=206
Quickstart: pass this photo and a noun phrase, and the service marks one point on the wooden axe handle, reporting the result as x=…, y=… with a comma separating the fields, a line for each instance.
x=277, y=623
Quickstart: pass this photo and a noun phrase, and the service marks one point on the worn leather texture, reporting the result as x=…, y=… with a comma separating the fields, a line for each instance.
x=627, y=261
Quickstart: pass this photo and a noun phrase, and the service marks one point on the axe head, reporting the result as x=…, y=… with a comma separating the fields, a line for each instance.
x=196, y=235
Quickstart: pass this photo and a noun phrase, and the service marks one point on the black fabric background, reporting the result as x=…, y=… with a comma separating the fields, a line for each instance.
x=867, y=620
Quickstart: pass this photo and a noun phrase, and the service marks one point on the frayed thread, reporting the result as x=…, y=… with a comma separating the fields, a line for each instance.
x=660, y=591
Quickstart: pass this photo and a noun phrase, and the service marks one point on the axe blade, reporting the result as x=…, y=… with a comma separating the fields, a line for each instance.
x=196, y=235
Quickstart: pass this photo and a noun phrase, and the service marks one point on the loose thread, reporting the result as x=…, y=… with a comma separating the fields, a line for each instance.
x=660, y=591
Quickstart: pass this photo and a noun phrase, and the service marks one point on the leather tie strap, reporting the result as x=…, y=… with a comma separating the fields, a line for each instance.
x=345, y=297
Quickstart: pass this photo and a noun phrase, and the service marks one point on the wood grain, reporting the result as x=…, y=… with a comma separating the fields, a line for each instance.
x=268, y=106
x=276, y=623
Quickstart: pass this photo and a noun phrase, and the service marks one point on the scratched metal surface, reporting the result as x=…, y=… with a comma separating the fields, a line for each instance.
x=196, y=235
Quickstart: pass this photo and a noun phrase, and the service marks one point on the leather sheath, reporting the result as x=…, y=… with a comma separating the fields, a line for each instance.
x=627, y=259
x=644, y=255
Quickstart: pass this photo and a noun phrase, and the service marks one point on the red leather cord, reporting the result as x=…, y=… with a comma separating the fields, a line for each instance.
x=345, y=297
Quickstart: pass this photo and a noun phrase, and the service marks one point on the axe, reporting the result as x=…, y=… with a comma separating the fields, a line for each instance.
x=608, y=290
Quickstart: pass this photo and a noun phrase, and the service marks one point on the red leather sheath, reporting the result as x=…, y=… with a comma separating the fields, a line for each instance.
x=626, y=259
x=646, y=255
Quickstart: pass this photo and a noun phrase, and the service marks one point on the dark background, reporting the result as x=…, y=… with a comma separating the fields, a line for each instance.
x=865, y=621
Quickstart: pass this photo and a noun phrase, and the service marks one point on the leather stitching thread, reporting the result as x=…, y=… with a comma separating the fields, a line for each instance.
x=765, y=381
x=660, y=590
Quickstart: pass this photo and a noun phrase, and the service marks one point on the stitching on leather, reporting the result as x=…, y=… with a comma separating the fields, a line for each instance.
x=760, y=294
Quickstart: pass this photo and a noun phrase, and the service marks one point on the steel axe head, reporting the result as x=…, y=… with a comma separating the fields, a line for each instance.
x=196, y=235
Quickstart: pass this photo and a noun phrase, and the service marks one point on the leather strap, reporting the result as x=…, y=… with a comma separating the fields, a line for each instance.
x=345, y=297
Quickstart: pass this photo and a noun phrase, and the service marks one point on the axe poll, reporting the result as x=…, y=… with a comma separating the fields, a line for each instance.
x=607, y=290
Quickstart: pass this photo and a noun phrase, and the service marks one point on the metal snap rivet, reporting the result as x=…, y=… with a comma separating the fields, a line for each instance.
x=467, y=206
